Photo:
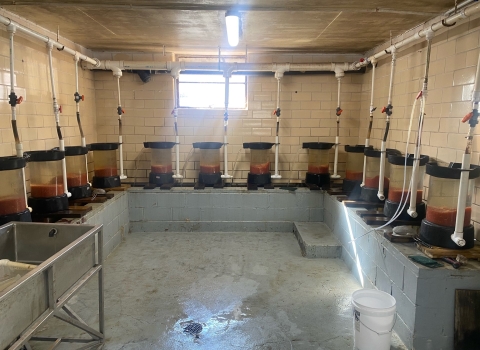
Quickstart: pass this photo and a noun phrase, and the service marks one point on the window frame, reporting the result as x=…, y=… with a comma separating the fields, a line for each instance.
x=209, y=73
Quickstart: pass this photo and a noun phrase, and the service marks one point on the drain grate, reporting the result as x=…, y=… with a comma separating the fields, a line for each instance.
x=193, y=329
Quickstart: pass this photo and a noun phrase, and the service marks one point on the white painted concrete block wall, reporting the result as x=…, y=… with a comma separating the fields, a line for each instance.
x=114, y=216
x=425, y=297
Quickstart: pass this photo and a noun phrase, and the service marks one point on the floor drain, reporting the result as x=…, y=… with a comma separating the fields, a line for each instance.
x=193, y=329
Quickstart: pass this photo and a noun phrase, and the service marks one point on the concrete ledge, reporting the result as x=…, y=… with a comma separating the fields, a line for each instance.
x=228, y=204
x=212, y=226
x=114, y=216
x=425, y=297
x=316, y=240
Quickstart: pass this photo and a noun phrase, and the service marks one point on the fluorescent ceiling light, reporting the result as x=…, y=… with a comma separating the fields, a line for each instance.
x=232, y=20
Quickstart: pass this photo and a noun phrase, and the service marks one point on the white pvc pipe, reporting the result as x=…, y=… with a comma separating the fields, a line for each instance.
x=7, y=21
x=278, y=76
x=225, y=175
x=456, y=17
x=118, y=74
x=412, y=210
x=18, y=144
x=458, y=7
x=457, y=236
x=177, y=174
x=77, y=103
x=383, y=149
x=338, y=74
x=372, y=109
x=215, y=67
x=56, y=112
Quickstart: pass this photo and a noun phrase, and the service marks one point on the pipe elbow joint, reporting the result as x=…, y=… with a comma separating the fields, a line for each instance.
x=412, y=212
x=381, y=196
x=11, y=28
x=227, y=73
x=117, y=72
x=457, y=237
x=175, y=71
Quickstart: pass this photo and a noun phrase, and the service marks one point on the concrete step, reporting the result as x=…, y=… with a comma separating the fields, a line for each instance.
x=316, y=240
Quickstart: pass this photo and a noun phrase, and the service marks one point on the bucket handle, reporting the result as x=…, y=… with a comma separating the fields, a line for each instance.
x=380, y=333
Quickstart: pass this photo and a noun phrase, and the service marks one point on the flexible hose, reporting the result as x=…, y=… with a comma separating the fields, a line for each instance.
x=401, y=207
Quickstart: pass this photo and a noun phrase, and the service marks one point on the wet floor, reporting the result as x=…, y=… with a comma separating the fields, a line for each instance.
x=245, y=290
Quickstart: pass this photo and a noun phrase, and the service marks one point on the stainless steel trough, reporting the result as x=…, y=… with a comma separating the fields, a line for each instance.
x=68, y=257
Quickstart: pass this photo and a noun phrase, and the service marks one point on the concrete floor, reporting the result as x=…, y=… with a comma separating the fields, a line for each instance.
x=248, y=290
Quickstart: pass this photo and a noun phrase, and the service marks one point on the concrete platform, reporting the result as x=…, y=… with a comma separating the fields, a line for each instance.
x=248, y=290
x=316, y=240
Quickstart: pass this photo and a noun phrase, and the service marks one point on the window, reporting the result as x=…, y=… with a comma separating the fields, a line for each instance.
x=208, y=91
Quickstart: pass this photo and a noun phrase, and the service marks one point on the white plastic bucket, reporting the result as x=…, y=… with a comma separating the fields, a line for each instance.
x=373, y=319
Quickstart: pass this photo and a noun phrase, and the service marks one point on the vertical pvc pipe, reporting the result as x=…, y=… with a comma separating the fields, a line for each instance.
x=412, y=210
x=370, y=124
x=383, y=147
x=225, y=175
x=56, y=112
x=339, y=74
x=118, y=74
x=77, y=97
x=177, y=174
x=278, y=76
x=457, y=236
x=11, y=29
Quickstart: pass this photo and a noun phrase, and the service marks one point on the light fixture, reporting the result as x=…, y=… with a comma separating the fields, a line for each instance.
x=232, y=21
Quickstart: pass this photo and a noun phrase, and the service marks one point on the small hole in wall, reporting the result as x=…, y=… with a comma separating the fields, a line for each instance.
x=295, y=92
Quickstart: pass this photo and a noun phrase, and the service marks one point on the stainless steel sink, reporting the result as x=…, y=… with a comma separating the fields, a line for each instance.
x=68, y=256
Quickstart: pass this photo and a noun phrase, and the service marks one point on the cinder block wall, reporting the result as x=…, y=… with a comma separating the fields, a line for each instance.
x=308, y=106
x=222, y=210
x=418, y=290
x=35, y=117
x=115, y=218
x=453, y=64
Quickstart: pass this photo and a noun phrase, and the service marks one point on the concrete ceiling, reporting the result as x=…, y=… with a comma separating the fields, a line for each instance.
x=340, y=26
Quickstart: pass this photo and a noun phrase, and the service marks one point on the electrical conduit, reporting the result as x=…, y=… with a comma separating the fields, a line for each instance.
x=383, y=147
x=370, y=124
x=339, y=74
x=56, y=112
x=472, y=119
